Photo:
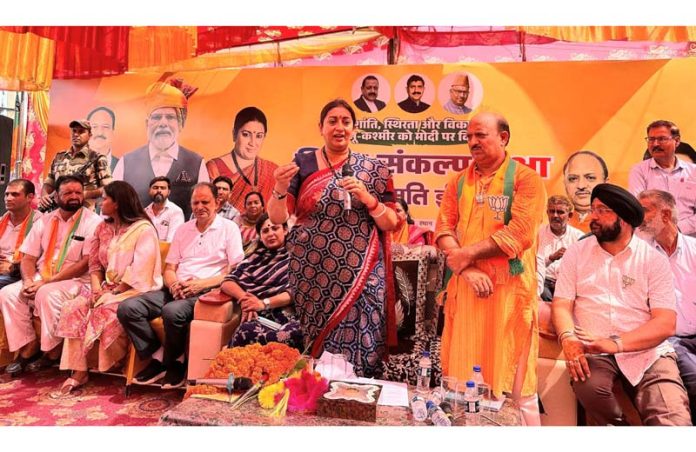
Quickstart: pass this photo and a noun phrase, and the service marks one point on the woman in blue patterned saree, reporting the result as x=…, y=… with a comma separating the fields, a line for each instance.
x=339, y=272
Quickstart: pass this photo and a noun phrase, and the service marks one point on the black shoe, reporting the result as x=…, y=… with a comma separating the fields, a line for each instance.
x=42, y=363
x=18, y=366
x=175, y=376
x=153, y=372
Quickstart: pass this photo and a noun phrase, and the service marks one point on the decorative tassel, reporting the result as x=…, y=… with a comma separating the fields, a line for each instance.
x=516, y=267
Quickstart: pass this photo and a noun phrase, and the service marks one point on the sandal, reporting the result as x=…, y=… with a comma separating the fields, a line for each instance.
x=71, y=384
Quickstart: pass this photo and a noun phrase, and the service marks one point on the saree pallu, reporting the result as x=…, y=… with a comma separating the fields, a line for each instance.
x=133, y=257
x=265, y=168
x=337, y=275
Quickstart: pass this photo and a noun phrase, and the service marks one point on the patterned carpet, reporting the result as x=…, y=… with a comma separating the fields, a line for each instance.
x=35, y=399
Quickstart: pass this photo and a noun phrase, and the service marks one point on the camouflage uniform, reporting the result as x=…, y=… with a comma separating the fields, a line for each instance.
x=96, y=174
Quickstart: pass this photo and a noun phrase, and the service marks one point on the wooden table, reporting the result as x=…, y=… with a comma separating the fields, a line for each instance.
x=198, y=412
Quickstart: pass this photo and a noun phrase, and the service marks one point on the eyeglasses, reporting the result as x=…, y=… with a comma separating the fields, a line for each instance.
x=659, y=140
x=601, y=210
x=557, y=212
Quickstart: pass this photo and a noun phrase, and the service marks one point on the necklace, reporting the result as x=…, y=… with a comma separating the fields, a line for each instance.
x=241, y=173
x=328, y=162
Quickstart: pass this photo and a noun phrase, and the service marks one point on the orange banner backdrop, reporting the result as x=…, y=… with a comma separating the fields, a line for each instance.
x=554, y=109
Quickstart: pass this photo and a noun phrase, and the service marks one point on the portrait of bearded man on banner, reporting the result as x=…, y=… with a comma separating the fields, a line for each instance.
x=167, y=107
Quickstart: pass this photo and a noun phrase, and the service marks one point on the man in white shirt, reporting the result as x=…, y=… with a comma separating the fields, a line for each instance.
x=203, y=251
x=167, y=107
x=165, y=215
x=664, y=171
x=660, y=229
x=54, y=269
x=554, y=238
x=614, y=309
x=15, y=225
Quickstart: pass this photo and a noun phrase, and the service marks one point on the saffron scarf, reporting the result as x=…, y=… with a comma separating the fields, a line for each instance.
x=23, y=232
x=47, y=269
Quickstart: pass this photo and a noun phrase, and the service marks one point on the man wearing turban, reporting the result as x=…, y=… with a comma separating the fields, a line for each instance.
x=614, y=308
x=167, y=106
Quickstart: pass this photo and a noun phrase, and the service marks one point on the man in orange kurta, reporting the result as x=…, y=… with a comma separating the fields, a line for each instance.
x=491, y=306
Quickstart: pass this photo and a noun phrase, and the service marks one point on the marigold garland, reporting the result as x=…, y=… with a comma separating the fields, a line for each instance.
x=253, y=360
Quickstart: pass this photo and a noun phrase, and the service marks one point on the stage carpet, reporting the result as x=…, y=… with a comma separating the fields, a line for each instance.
x=34, y=399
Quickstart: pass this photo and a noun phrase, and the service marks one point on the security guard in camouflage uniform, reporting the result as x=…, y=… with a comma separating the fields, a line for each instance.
x=78, y=160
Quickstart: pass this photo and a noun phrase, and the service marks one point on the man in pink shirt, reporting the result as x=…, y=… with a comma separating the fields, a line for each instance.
x=614, y=309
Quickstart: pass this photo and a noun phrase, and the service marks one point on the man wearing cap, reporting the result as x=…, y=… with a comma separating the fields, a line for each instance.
x=79, y=160
x=614, y=309
x=459, y=94
x=167, y=106
x=664, y=171
x=368, y=101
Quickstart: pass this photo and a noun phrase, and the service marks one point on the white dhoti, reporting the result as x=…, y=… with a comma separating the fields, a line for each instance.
x=17, y=312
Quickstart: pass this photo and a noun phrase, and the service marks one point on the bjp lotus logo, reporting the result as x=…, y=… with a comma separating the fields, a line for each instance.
x=498, y=204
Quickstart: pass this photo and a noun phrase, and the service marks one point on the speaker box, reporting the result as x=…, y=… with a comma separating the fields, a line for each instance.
x=5, y=156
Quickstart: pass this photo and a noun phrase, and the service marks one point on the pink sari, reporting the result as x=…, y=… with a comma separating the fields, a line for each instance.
x=133, y=258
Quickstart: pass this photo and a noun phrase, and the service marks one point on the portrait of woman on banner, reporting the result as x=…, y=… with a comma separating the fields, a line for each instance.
x=242, y=164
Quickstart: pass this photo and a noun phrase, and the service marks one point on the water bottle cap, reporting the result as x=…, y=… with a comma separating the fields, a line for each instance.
x=470, y=384
x=429, y=404
x=426, y=353
x=477, y=368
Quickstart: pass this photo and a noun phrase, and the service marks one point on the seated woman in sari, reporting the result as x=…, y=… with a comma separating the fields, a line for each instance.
x=124, y=261
x=406, y=232
x=259, y=285
x=254, y=207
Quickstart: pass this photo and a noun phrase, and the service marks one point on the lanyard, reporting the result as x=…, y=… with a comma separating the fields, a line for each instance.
x=241, y=173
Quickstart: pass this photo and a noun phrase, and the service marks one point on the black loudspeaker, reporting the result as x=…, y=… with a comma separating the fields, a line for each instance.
x=5, y=156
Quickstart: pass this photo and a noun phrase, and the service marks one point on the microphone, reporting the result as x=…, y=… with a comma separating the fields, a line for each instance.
x=346, y=171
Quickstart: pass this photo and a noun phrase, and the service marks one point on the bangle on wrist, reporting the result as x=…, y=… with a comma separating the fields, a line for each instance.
x=382, y=212
x=565, y=335
x=371, y=209
x=278, y=195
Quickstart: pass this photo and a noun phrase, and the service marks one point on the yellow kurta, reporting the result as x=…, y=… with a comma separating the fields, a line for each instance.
x=493, y=332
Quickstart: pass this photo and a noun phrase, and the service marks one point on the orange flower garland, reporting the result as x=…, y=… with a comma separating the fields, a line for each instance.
x=253, y=360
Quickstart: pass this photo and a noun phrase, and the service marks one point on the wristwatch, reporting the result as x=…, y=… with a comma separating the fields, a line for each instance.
x=266, y=303
x=617, y=340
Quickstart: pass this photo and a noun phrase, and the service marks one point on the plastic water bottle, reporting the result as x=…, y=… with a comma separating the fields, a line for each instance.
x=424, y=370
x=481, y=386
x=471, y=404
x=418, y=408
x=437, y=416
